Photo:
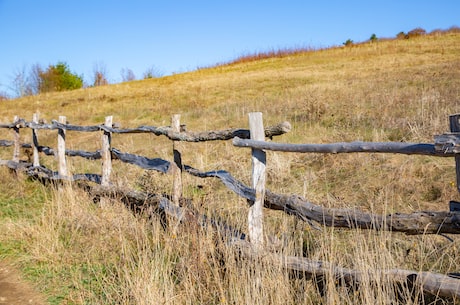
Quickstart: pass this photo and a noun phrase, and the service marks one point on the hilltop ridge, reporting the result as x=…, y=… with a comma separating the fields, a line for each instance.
x=313, y=85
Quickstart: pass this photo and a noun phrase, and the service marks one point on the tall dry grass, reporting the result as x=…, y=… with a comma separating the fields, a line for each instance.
x=107, y=255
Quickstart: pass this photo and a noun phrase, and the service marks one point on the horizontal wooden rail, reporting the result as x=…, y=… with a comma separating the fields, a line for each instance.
x=430, y=282
x=141, y=161
x=167, y=131
x=425, y=222
x=348, y=147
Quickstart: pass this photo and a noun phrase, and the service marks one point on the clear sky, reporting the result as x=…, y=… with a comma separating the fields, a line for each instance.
x=177, y=36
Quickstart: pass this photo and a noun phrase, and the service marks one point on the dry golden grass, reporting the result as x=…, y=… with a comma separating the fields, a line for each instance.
x=398, y=90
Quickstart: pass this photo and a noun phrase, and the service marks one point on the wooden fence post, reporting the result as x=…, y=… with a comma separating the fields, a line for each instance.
x=36, y=160
x=454, y=122
x=177, y=165
x=62, y=165
x=106, y=153
x=17, y=145
x=255, y=215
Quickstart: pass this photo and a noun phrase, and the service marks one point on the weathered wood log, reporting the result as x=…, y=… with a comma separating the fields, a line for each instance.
x=157, y=164
x=433, y=283
x=154, y=203
x=141, y=161
x=447, y=143
x=6, y=143
x=15, y=165
x=17, y=123
x=423, y=222
x=348, y=147
x=221, y=135
x=41, y=172
x=167, y=131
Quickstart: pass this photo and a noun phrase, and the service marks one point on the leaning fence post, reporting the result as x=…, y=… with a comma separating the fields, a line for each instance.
x=454, y=122
x=177, y=165
x=62, y=166
x=255, y=215
x=106, y=152
x=17, y=145
x=36, y=160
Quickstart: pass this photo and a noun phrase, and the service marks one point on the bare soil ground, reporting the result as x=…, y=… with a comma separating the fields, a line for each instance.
x=14, y=290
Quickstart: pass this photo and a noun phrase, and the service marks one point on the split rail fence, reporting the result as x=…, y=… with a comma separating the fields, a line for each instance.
x=423, y=222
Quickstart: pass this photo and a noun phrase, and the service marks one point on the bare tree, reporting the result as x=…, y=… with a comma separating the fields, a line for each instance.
x=100, y=74
x=4, y=96
x=127, y=75
x=21, y=83
x=35, y=79
x=152, y=72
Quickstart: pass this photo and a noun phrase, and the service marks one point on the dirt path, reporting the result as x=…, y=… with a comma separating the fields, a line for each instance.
x=14, y=291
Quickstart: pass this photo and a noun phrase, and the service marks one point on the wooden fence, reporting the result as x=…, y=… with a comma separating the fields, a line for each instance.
x=423, y=222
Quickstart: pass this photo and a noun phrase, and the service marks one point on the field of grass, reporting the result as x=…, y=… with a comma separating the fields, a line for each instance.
x=77, y=252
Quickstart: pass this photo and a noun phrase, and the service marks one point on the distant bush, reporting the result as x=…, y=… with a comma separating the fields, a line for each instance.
x=58, y=78
x=373, y=38
x=413, y=33
x=100, y=74
x=454, y=29
x=152, y=72
x=401, y=35
x=127, y=75
x=347, y=43
x=100, y=79
x=416, y=32
x=437, y=32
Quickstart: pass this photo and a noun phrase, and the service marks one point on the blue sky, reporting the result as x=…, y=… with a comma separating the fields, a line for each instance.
x=177, y=36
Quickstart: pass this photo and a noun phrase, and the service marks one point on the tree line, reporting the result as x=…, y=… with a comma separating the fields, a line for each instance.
x=59, y=77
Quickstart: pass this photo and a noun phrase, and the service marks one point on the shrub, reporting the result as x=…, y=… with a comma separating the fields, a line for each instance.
x=127, y=75
x=454, y=29
x=401, y=35
x=347, y=43
x=373, y=38
x=152, y=72
x=100, y=79
x=58, y=78
x=416, y=32
x=21, y=83
x=100, y=74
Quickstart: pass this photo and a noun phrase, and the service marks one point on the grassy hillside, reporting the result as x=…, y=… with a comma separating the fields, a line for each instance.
x=396, y=90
